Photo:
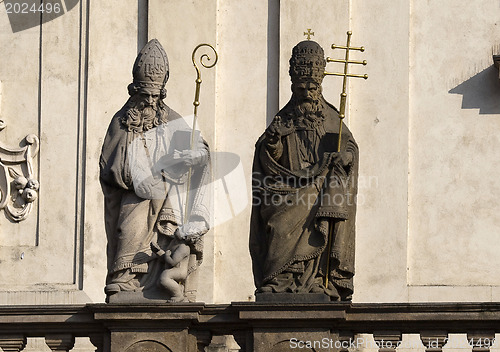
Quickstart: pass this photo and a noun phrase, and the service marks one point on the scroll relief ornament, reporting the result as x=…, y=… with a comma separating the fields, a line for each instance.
x=18, y=187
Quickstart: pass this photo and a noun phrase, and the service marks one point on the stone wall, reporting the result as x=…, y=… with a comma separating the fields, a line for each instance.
x=425, y=122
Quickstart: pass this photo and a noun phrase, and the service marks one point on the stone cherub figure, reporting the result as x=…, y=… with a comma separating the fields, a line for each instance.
x=304, y=191
x=144, y=166
x=176, y=259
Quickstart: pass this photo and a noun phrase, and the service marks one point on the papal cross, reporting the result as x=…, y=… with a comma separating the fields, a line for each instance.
x=343, y=97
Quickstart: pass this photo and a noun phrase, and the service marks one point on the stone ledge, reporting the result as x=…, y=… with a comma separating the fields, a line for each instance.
x=361, y=317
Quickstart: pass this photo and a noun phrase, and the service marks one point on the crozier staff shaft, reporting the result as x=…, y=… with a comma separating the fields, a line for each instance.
x=196, y=103
x=343, y=99
x=345, y=74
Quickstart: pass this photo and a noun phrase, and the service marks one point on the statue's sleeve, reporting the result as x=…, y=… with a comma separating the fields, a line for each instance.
x=200, y=184
x=113, y=163
x=257, y=242
x=274, y=149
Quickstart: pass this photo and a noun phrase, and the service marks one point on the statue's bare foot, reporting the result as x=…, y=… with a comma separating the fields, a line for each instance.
x=265, y=289
x=111, y=289
x=177, y=299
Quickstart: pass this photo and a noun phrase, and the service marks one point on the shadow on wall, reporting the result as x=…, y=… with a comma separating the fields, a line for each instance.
x=481, y=91
x=31, y=13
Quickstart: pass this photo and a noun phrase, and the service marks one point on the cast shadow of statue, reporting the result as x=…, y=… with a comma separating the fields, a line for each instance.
x=31, y=13
x=481, y=91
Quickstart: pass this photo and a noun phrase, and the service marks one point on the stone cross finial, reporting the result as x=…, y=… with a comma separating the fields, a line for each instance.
x=308, y=33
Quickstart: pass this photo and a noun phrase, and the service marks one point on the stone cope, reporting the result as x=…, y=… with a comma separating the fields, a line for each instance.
x=304, y=193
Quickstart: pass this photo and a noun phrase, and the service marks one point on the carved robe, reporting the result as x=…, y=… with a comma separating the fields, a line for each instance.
x=300, y=193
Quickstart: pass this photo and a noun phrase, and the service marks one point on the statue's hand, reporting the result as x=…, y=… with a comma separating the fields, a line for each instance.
x=191, y=157
x=191, y=231
x=273, y=132
x=342, y=158
x=151, y=188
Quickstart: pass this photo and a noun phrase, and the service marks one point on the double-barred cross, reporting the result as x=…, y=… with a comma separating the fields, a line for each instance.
x=346, y=63
x=343, y=98
x=345, y=74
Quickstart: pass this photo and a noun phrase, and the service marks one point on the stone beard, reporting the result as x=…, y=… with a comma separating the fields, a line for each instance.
x=304, y=193
x=141, y=117
x=308, y=117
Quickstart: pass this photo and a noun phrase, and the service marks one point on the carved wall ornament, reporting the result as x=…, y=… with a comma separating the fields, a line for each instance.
x=18, y=186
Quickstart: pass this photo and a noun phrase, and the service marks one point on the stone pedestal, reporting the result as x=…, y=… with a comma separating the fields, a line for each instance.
x=284, y=340
x=153, y=341
x=279, y=326
x=151, y=327
x=240, y=326
x=292, y=297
